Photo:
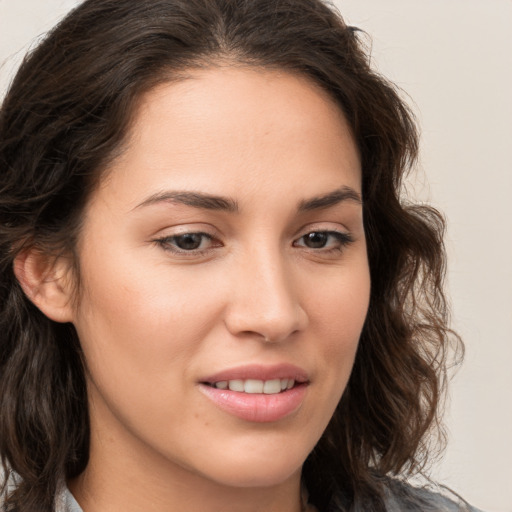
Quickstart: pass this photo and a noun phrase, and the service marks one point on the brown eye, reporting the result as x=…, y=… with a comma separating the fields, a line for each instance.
x=188, y=241
x=316, y=240
x=324, y=240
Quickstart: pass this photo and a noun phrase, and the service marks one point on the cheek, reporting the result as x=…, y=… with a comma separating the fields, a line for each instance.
x=338, y=313
x=138, y=326
x=139, y=333
x=133, y=298
x=340, y=305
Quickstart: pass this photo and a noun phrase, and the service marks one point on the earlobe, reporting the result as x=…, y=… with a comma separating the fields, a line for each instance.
x=47, y=282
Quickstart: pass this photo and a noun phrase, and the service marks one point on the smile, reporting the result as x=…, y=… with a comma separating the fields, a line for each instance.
x=253, y=386
x=257, y=393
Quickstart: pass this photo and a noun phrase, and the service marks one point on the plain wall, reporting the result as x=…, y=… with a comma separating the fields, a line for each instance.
x=453, y=57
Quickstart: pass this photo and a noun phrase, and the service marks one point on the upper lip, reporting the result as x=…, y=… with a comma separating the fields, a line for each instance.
x=259, y=372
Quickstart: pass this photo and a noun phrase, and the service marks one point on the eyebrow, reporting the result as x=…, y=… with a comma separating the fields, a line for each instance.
x=330, y=199
x=194, y=199
x=213, y=202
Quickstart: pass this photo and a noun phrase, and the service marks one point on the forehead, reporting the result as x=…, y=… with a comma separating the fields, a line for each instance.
x=236, y=127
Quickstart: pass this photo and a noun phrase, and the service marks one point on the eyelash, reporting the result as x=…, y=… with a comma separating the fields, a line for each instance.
x=343, y=240
x=168, y=243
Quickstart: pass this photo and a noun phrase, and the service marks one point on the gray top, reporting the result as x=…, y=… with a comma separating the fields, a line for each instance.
x=66, y=502
x=401, y=498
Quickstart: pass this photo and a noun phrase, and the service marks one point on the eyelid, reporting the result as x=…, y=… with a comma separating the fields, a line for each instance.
x=186, y=228
x=323, y=227
x=343, y=238
x=341, y=235
x=165, y=242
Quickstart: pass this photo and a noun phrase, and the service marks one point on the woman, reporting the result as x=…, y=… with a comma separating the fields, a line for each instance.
x=212, y=295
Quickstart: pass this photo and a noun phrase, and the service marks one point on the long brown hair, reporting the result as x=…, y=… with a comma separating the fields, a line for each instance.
x=66, y=115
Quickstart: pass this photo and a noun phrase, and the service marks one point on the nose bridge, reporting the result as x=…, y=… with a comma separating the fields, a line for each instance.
x=265, y=301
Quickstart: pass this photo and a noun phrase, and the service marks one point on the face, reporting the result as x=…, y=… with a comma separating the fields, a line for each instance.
x=224, y=279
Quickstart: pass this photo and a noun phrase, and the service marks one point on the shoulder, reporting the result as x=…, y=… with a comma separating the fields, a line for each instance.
x=8, y=483
x=403, y=497
x=64, y=500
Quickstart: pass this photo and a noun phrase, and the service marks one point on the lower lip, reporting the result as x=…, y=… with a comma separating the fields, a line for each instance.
x=258, y=408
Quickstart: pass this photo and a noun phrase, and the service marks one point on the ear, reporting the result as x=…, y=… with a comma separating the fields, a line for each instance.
x=47, y=282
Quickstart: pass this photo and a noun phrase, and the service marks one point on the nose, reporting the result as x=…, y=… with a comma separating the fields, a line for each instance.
x=264, y=302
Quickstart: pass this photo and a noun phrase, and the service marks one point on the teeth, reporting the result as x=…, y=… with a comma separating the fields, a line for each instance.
x=236, y=385
x=253, y=386
x=272, y=386
x=268, y=387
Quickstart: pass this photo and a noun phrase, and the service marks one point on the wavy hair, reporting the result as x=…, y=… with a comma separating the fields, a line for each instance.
x=66, y=116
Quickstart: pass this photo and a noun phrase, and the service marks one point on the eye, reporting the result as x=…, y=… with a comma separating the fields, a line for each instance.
x=326, y=240
x=187, y=242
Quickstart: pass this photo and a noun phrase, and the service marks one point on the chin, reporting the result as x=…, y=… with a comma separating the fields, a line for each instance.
x=261, y=469
x=264, y=476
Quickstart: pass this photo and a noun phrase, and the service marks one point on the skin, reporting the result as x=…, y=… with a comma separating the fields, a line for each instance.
x=153, y=322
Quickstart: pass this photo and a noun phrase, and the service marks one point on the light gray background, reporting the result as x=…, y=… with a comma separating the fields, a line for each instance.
x=453, y=57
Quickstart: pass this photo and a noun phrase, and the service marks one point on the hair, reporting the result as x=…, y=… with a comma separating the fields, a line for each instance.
x=66, y=116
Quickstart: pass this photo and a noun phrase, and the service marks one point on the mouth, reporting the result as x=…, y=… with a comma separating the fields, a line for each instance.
x=258, y=394
x=254, y=386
